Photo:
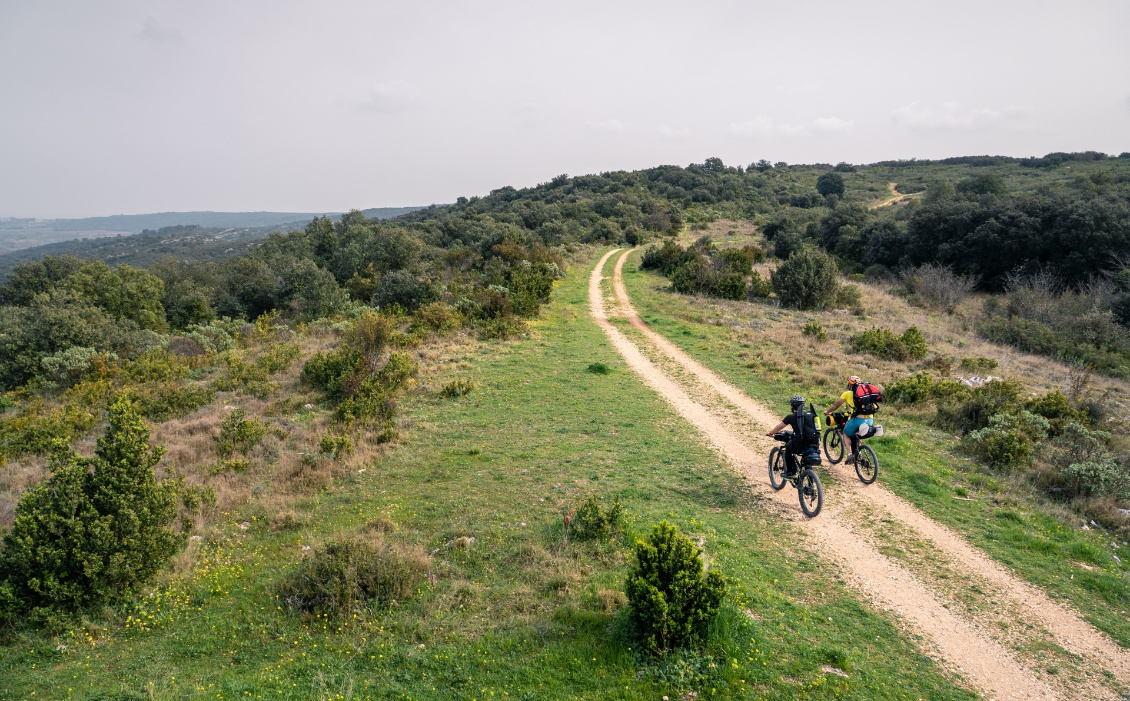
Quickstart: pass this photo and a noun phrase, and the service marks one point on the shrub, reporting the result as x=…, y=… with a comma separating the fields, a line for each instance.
x=335, y=445
x=95, y=531
x=736, y=260
x=1085, y=465
x=599, y=369
x=1056, y=408
x=404, y=289
x=530, y=286
x=330, y=371
x=167, y=400
x=938, y=286
x=501, y=328
x=671, y=599
x=787, y=244
x=1103, y=477
x=593, y=521
x=369, y=334
x=876, y=272
x=238, y=434
x=815, y=330
x=978, y=364
x=759, y=287
x=1008, y=439
x=437, y=317
x=807, y=280
x=67, y=367
x=968, y=409
x=912, y=389
x=848, y=297
x=914, y=343
x=353, y=575
x=880, y=343
x=458, y=388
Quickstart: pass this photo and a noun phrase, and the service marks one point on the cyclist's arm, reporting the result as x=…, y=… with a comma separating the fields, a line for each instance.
x=837, y=405
x=776, y=429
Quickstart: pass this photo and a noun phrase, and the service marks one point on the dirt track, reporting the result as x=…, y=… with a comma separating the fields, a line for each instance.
x=894, y=198
x=728, y=418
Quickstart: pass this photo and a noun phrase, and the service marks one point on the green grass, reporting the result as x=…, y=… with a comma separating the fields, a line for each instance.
x=517, y=615
x=920, y=464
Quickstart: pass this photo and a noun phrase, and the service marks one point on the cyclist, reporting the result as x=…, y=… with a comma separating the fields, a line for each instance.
x=805, y=434
x=851, y=428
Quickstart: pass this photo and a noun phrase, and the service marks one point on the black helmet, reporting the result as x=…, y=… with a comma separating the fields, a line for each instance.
x=796, y=402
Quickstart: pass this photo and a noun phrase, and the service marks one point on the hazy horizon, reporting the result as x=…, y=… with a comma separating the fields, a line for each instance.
x=143, y=107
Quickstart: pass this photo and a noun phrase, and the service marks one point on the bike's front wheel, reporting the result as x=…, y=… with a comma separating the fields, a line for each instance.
x=777, y=468
x=811, y=493
x=867, y=466
x=834, y=445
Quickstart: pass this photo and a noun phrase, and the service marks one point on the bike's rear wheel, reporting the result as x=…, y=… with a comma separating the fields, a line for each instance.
x=811, y=493
x=834, y=445
x=777, y=468
x=867, y=466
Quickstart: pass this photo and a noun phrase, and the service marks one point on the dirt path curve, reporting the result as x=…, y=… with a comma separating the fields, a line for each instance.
x=987, y=665
x=895, y=197
x=1069, y=629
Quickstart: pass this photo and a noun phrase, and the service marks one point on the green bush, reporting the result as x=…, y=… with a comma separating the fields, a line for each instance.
x=593, y=520
x=969, y=409
x=67, y=367
x=335, y=445
x=1086, y=465
x=353, y=575
x=161, y=402
x=330, y=371
x=437, y=317
x=914, y=343
x=1103, y=477
x=813, y=329
x=95, y=531
x=911, y=390
x=599, y=369
x=807, y=280
x=788, y=244
x=880, y=343
x=671, y=599
x=1008, y=440
x=238, y=434
x=1057, y=409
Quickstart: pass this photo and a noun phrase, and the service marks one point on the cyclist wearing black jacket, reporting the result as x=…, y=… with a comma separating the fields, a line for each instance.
x=805, y=434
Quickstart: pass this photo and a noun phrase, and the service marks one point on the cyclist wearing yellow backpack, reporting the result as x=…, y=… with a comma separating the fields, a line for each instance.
x=863, y=399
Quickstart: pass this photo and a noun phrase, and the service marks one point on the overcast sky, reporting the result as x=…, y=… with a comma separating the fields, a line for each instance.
x=130, y=107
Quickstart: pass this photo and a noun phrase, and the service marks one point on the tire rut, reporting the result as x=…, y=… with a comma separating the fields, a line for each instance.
x=958, y=644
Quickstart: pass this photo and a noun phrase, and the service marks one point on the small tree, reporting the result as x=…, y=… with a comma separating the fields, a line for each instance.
x=95, y=531
x=830, y=184
x=807, y=280
x=671, y=599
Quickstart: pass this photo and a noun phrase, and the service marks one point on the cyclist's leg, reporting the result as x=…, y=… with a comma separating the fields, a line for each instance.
x=850, y=429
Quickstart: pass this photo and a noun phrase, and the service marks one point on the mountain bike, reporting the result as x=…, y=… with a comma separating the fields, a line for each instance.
x=867, y=466
x=807, y=483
